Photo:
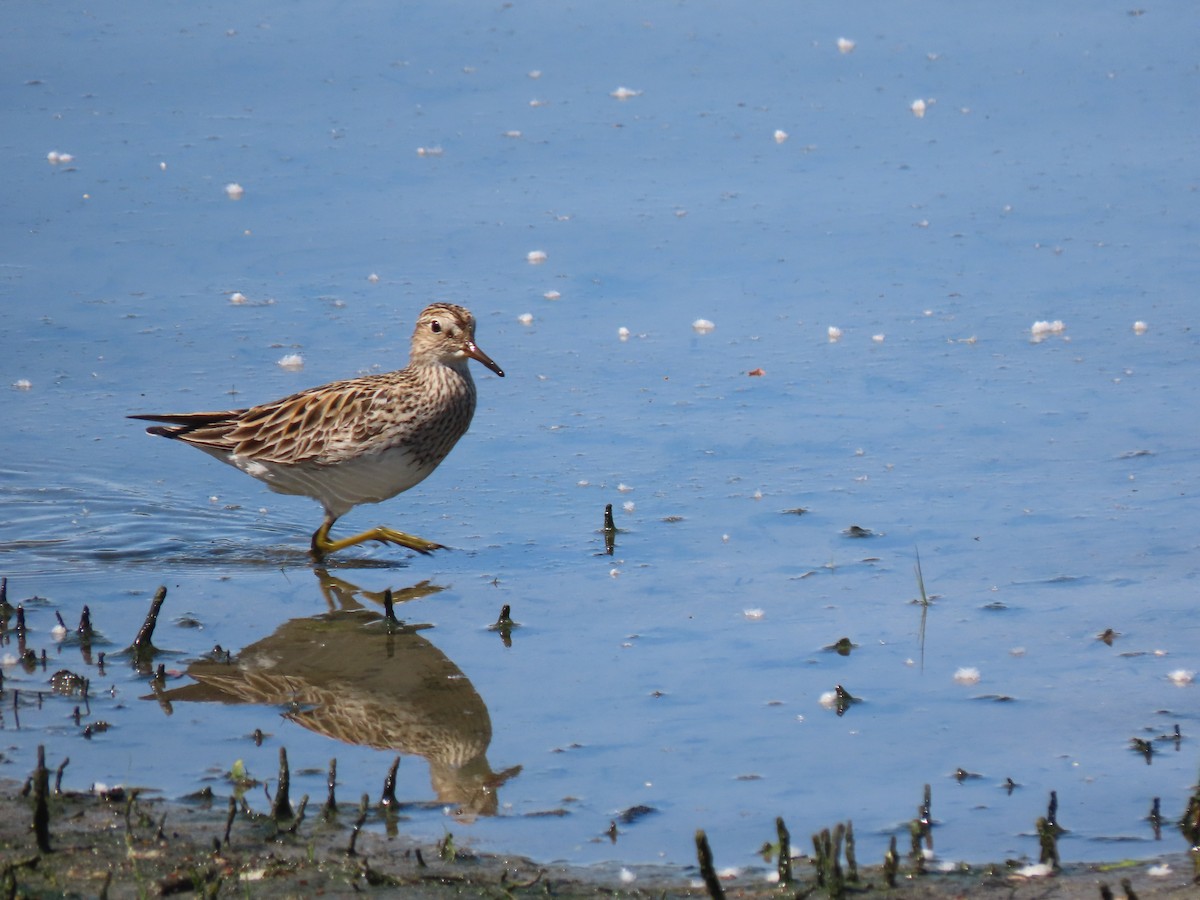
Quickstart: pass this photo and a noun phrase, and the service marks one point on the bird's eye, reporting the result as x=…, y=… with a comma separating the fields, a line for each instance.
x=436, y=326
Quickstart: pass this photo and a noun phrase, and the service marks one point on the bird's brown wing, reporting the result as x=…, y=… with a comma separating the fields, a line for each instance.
x=317, y=425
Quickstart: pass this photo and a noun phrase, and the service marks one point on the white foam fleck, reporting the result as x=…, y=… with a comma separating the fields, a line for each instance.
x=1046, y=327
x=967, y=675
x=1036, y=870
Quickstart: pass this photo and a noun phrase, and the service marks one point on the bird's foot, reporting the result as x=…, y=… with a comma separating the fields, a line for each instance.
x=323, y=545
x=411, y=541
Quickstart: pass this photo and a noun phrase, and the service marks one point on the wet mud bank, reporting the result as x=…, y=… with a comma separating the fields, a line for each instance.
x=126, y=844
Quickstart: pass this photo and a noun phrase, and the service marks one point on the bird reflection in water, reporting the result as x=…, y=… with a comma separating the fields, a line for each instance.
x=356, y=676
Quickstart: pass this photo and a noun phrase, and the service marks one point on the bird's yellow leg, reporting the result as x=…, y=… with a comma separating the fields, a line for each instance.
x=323, y=545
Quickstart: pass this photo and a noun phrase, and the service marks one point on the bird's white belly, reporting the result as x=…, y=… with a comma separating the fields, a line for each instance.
x=369, y=478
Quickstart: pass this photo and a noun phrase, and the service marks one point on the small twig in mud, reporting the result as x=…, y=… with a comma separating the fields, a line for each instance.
x=142, y=649
x=707, y=872
x=363, y=806
x=389, y=786
x=146, y=632
x=299, y=815
x=41, y=808
x=233, y=808
x=785, y=851
x=851, y=859
x=84, y=630
x=891, y=864
x=1047, y=842
x=330, y=809
x=281, y=809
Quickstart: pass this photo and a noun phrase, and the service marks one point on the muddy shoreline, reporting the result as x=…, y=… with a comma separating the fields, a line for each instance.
x=130, y=845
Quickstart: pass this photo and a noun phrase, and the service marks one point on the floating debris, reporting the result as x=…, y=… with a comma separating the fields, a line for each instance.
x=552, y=295
x=293, y=362
x=234, y=191
x=1139, y=327
x=525, y=319
x=780, y=136
x=68, y=683
x=1144, y=747
x=845, y=45
x=22, y=384
x=835, y=333
x=857, y=531
x=842, y=646
x=756, y=373
x=1181, y=677
x=634, y=813
x=536, y=257
x=624, y=93
x=430, y=151
x=703, y=326
x=918, y=108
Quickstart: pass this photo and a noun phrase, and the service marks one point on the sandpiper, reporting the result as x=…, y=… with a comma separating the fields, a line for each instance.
x=361, y=440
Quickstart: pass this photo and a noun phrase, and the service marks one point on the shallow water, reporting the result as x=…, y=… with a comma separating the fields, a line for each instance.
x=1047, y=486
